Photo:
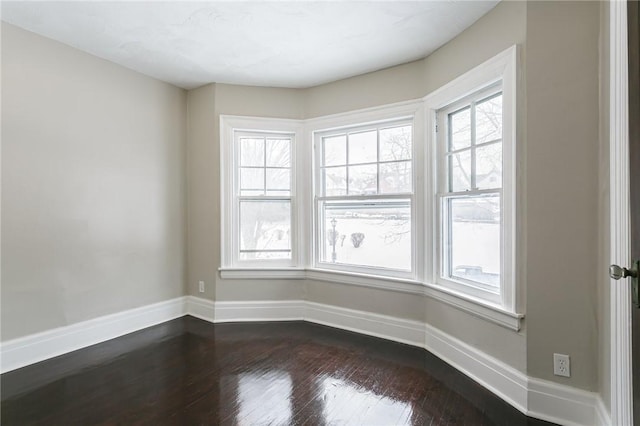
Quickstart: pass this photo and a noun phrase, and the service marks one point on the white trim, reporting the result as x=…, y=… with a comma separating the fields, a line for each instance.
x=367, y=280
x=500, y=378
x=620, y=292
x=534, y=397
x=37, y=347
x=481, y=309
x=603, y=418
x=203, y=309
x=262, y=273
x=390, y=328
x=479, y=81
x=561, y=404
x=243, y=311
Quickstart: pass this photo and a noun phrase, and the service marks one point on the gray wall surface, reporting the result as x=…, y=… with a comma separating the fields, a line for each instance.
x=562, y=146
x=93, y=186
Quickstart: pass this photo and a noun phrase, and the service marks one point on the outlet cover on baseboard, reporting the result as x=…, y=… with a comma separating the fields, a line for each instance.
x=561, y=365
x=201, y=286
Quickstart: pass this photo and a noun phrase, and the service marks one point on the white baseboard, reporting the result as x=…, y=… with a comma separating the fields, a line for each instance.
x=561, y=404
x=537, y=398
x=275, y=310
x=603, y=416
x=500, y=378
x=200, y=308
x=37, y=347
x=386, y=327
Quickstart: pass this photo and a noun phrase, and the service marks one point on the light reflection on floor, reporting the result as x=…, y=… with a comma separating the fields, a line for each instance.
x=264, y=398
x=344, y=401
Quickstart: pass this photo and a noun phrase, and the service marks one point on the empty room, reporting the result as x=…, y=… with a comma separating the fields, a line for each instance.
x=320, y=213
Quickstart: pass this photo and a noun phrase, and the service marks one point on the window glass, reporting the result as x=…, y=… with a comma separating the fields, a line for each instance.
x=335, y=150
x=363, y=147
x=474, y=239
x=471, y=207
x=460, y=129
x=265, y=230
x=360, y=226
x=395, y=143
x=363, y=234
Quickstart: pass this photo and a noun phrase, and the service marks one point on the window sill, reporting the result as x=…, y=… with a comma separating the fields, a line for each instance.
x=479, y=308
x=262, y=273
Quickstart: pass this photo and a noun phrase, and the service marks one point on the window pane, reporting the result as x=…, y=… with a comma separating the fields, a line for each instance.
x=374, y=235
x=363, y=147
x=489, y=120
x=363, y=180
x=265, y=230
x=395, y=177
x=489, y=166
x=251, y=181
x=474, y=240
x=460, y=171
x=335, y=181
x=395, y=143
x=251, y=152
x=278, y=152
x=278, y=179
x=335, y=150
x=460, y=127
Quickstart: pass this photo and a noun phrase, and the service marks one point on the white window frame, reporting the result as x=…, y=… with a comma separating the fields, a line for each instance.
x=230, y=129
x=499, y=70
x=406, y=113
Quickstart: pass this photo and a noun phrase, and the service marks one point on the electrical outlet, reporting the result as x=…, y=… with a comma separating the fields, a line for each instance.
x=561, y=365
x=201, y=286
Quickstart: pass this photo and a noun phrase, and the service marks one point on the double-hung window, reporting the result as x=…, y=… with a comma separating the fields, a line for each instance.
x=475, y=183
x=365, y=197
x=260, y=214
x=264, y=198
x=471, y=192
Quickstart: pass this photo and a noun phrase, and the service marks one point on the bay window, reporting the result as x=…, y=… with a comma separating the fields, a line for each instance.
x=417, y=196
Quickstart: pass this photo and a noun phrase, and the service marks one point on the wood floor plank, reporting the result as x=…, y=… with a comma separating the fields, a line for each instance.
x=191, y=372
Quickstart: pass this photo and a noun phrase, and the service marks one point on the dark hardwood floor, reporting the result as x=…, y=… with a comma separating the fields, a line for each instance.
x=191, y=372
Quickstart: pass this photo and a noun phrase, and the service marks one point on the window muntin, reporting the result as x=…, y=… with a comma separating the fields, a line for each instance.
x=263, y=196
x=471, y=225
x=364, y=202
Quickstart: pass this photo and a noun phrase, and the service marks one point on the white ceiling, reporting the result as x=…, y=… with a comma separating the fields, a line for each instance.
x=282, y=44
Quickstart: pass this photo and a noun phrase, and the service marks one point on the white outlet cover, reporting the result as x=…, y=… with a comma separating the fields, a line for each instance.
x=561, y=365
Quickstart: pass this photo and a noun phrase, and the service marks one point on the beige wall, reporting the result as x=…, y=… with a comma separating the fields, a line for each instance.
x=203, y=197
x=604, y=235
x=93, y=187
x=562, y=146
